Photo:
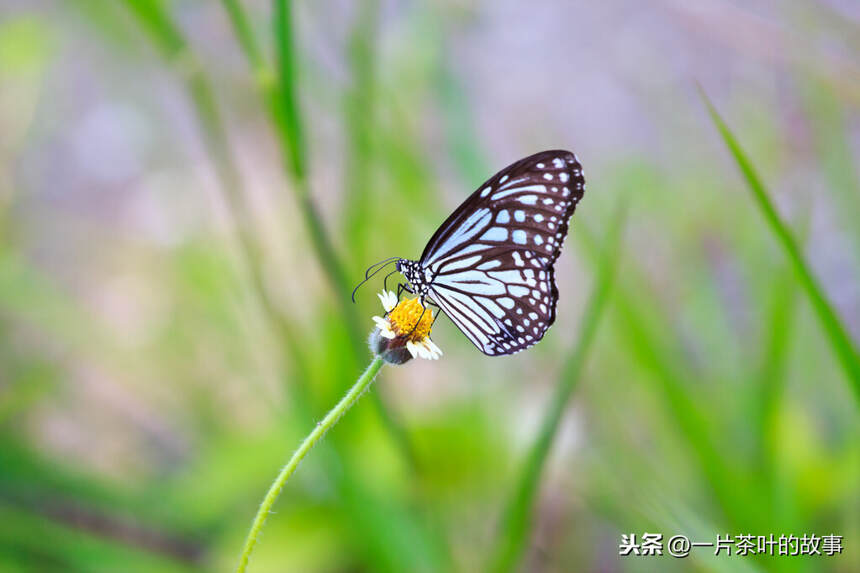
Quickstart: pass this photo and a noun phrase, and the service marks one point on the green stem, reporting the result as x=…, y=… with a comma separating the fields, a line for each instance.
x=288, y=470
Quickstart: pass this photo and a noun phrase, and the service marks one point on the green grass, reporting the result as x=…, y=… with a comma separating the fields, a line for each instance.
x=517, y=518
x=840, y=341
x=160, y=358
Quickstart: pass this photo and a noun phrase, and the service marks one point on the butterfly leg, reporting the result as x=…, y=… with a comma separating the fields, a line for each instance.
x=425, y=303
x=403, y=287
x=438, y=311
x=417, y=322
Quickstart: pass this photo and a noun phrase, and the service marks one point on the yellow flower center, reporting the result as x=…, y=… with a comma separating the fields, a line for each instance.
x=407, y=318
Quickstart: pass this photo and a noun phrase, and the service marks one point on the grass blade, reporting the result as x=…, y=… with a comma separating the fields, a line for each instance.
x=168, y=39
x=516, y=521
x=840, y=340
x=288, y=120
x=287, y=81
x=359, y=111
x=245, y=35
x=285, y=110
x=771, y=375
x=646, y=345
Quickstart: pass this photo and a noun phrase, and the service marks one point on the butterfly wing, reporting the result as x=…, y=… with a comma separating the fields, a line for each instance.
x=492, y=261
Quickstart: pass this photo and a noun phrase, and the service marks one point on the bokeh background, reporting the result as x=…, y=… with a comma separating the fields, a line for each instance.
x=189, y=189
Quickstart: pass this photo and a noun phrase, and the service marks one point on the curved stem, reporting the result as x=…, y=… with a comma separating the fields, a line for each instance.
x=351, y=397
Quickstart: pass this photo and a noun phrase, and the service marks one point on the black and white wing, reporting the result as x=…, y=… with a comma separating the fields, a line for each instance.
x=491, y=262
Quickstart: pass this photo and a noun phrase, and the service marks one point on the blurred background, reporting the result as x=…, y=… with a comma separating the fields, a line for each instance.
x=189, y=190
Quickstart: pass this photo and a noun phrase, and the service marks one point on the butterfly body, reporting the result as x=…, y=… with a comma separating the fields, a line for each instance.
x=490, y=265
x=419, y=278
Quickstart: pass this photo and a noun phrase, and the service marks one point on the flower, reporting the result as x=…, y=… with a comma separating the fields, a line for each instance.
x=404, y=332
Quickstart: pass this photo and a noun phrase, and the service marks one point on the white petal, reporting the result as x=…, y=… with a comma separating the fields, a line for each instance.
x=384, y=327
x=431, y=355
x=422, y=351
x=412, y=348
x=432, y=346
x=388, y=300
x=392, y=299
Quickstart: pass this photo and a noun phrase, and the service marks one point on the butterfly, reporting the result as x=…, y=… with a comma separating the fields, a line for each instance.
x=490, y=265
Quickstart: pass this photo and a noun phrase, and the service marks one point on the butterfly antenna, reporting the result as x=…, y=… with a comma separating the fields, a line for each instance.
x=371, y=271
x=385, y=280
x=383, y=262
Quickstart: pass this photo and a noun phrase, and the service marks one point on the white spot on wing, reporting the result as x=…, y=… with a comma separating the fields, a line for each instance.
x=507, y=276
x=495, y=234
x=489, y=265
x=518, y=290
x=519, y=236
x=514, y=190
